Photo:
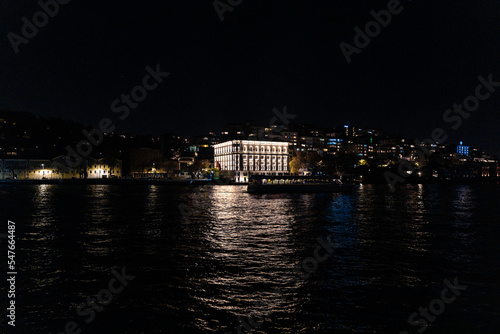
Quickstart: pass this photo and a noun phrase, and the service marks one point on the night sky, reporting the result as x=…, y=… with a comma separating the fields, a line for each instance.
x=264, y=55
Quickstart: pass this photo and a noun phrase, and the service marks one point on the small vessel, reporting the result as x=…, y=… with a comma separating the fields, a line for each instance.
x=264, y=184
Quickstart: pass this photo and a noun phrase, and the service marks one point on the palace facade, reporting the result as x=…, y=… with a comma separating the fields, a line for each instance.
x=246, y=157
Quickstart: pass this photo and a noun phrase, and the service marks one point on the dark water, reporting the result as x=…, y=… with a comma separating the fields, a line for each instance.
x=391, y=254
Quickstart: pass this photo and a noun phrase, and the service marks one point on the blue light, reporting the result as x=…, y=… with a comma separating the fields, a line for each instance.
x=462, y=150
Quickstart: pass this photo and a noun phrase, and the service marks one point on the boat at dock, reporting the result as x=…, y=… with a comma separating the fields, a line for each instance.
x=263, y=184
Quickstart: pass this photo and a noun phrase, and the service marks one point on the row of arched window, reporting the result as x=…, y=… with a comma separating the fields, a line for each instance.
x=264, y=149
x=251, y=148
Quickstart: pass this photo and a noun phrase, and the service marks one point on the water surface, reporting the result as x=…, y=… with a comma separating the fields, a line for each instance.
x=225, y=261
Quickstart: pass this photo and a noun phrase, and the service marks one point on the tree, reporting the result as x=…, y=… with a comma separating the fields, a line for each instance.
x=297, y=162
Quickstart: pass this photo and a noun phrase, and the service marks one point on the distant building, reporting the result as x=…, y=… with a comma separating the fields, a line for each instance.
x=105, y=168
x=246, y=157
x=463, y=150
x=38, y=169
x=20, y=169
x=150, y=163
x=143, y=161
x=185, y=162
x=335, y=145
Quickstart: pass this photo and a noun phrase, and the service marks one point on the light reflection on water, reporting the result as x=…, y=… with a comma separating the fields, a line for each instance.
x=253, y=248
x=225, y=262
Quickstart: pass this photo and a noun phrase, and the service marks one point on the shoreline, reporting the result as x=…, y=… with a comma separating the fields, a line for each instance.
x=110, y=181
x=191, y=182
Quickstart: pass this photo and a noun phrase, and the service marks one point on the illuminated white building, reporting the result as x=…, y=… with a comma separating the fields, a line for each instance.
x=104, y=169
x=248, y=157
x=40, y=169
x=33, y=169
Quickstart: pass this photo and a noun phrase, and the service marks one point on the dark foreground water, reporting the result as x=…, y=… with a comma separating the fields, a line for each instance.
x=228, y=266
